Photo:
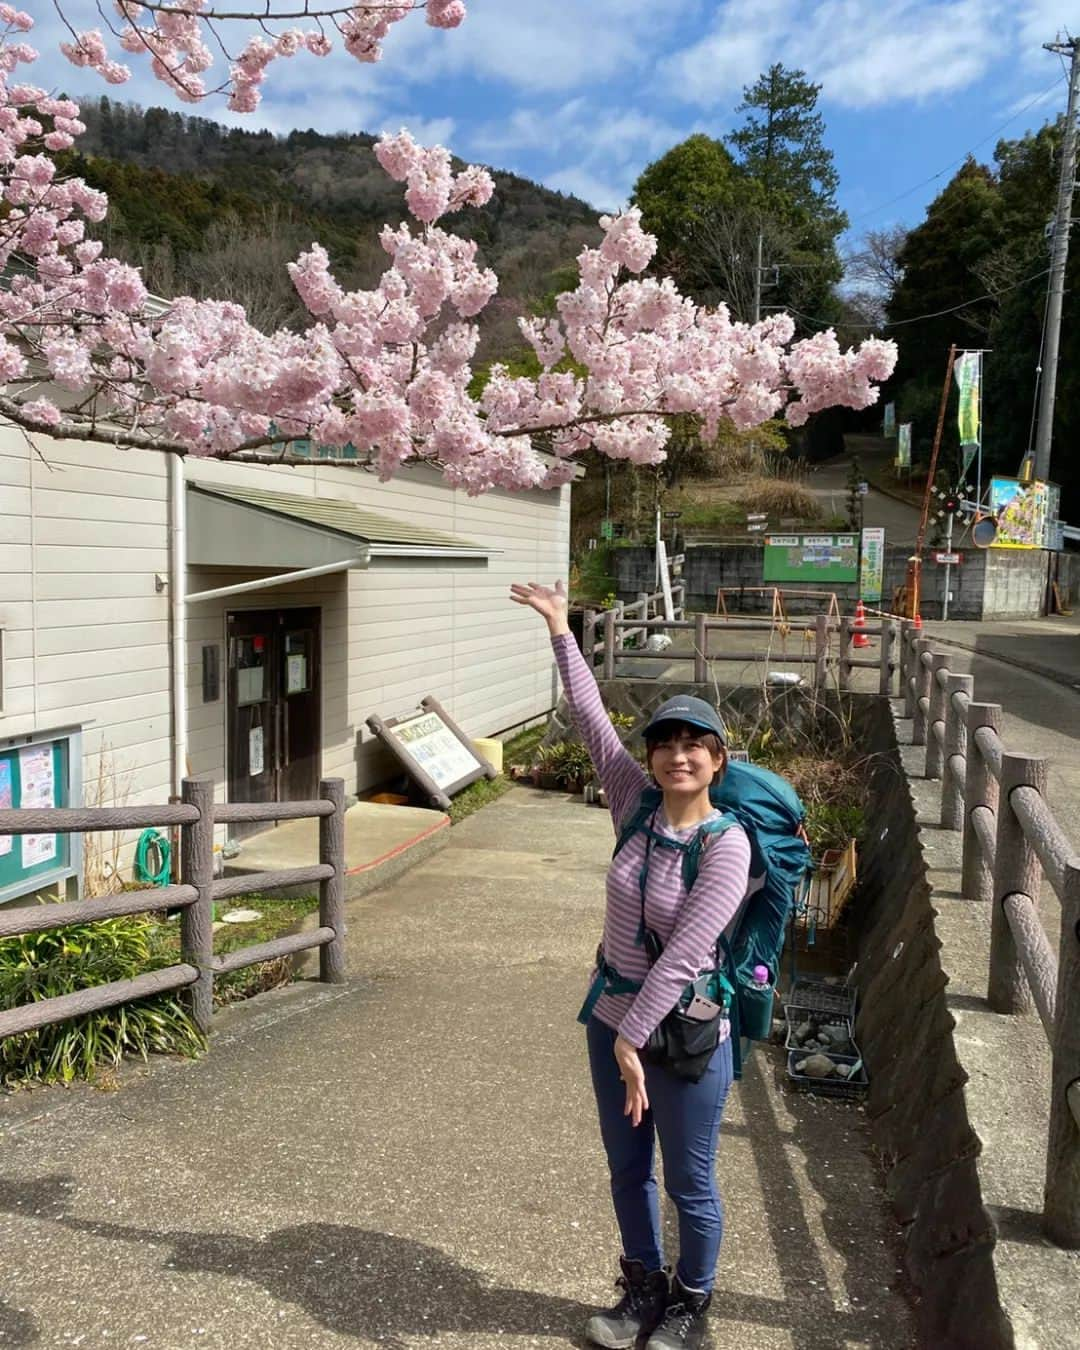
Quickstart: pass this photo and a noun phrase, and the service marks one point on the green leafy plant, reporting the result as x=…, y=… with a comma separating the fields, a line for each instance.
x=37, y=966
x=567, y=761
x=620, y=721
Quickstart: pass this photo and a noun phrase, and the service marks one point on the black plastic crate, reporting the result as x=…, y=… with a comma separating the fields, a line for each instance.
x=819, y=999
x=829, y=1087
x=796, y=1016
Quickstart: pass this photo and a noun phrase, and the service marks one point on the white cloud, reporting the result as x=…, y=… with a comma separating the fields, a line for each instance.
x=862, y=52
x=580, y=181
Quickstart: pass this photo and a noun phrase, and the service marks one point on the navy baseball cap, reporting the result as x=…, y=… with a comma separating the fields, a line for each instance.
x=694, y=712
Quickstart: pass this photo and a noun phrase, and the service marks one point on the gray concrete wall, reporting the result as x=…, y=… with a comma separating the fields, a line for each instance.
x=988, y=584
x=917, y=1107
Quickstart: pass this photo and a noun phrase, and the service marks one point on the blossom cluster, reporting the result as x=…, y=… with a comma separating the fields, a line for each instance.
x=84, y=351
x=179, y=41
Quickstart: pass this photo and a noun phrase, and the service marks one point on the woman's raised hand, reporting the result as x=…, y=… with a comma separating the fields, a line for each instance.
x=549, y=602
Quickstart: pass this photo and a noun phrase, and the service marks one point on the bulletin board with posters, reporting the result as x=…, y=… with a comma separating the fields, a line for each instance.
x=1027, y=513
x=39, y=771
x=433, y=750
x=811, y=558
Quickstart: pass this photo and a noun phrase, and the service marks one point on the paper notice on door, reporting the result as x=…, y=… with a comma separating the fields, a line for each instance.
x=255, y=751
x=6, y=802
x=295, y=674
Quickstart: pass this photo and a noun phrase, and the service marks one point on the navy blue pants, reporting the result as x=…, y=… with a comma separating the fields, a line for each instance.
x=686, y=1118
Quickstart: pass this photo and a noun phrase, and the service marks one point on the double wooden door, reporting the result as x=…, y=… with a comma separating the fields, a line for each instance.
x=275, y=707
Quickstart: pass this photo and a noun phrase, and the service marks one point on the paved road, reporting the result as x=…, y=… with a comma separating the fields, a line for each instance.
x=828, y=482
x=412, y=1160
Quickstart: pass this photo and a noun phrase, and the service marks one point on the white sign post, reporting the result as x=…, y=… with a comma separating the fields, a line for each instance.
x=665, y=579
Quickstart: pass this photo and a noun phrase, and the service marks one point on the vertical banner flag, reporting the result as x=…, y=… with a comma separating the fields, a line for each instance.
x=968, y=371
x=903, y=446
x=889, y=428
x=872, y=565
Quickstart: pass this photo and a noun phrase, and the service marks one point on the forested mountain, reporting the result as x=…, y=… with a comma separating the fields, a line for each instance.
x=214, y=210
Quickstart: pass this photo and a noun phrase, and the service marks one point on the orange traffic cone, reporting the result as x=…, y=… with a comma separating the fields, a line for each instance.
x=858, y=637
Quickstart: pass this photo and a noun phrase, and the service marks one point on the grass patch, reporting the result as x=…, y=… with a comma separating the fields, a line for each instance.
x=517, y=750
x=278, y=915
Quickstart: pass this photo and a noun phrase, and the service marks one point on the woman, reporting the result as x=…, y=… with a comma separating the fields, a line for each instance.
x=639, y=1101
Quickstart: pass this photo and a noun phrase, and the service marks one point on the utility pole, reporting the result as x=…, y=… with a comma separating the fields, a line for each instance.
x=1058, y=259
x=757, y=275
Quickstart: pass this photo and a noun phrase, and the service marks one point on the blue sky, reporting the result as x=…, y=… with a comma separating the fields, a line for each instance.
x=582, y=94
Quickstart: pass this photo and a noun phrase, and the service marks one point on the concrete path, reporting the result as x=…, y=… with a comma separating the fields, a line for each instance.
x=412, y=1159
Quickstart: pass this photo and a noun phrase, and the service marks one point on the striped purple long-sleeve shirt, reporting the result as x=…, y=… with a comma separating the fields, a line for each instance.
x=688, y=922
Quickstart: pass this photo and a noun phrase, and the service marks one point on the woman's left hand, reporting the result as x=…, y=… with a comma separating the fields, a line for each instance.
x=632, y=1072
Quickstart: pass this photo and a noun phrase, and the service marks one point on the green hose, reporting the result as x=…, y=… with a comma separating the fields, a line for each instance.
x=153, y=858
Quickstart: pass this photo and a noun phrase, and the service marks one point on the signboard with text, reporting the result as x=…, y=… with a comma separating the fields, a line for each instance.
x=872, y=564
x=811, y=558
x=433, y=750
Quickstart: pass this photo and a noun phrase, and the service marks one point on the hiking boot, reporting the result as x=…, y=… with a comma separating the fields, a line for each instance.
x=683, y=1323
x=637, y=1312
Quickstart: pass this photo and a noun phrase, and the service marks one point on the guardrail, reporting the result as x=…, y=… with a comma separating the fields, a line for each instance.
x=636, y=614
x=195, y=815
x=1011, y=841
x=826, y=653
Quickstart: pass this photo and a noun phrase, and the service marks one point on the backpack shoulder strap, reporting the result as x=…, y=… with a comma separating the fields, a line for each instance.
x=647, y=803
x=711, y=829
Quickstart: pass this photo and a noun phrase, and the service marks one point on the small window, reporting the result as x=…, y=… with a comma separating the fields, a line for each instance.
x=251, y=655
x=298, y=662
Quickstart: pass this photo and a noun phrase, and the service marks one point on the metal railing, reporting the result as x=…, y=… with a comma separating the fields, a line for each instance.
x=195, y=816
x=1011, y=841
x=828, y=644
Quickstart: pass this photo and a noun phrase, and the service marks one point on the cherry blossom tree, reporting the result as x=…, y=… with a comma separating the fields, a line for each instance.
x=86, y=353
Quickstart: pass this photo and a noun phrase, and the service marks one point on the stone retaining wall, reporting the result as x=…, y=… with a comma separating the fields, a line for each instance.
x=989, y=583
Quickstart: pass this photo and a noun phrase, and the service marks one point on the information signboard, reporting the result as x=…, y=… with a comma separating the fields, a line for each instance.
x=39, y=771
x=1027, y=513
x=872, y=564
x=433, y=750
x=811, y=558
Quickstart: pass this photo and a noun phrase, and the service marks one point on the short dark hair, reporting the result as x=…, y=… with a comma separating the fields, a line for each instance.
x=666, y=731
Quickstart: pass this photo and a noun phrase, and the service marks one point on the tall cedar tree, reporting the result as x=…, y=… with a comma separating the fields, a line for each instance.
x=781, y=147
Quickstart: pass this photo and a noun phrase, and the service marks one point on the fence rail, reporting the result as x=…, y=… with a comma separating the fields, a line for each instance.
x=1011, y=842
x=832, y=643
x=196, y=816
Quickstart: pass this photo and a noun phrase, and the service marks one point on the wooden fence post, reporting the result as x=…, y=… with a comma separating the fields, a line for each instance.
x=197, y=921
x=907, y=665
x=923, y=647
x=332, y=890
x=1061, y=1209
x=954, y=774
x=980, y=790
x=845, y=652
x=620, y=633
x=609, y=644
x=821, y=650
x=701, y=639
x=1016, y=870
x=888, y=655
x=935, y=753
x=643, y=601
x=588, y=637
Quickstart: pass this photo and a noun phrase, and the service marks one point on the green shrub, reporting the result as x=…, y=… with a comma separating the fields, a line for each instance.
x=568, y=761
x=37, y=966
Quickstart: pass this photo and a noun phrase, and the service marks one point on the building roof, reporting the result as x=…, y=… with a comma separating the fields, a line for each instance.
x=386, y=535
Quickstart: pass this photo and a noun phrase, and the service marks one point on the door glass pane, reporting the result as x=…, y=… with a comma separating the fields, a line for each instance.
x=297, y=662
x=251, y=655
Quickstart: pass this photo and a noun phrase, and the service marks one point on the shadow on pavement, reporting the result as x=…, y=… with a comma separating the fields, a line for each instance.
x=354, y=1281
x=18, y=1328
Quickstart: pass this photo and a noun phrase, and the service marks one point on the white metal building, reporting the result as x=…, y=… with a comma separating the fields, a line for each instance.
x=107, y=557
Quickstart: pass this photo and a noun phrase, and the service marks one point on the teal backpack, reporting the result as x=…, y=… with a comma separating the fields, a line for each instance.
x=770, y=812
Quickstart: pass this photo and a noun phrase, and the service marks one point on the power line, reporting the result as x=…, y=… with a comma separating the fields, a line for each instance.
x=918, y=318
x=1058, y=79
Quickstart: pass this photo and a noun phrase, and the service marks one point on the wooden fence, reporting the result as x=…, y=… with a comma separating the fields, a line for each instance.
x=195, y=815
x=1011, y=841
x=828, y=645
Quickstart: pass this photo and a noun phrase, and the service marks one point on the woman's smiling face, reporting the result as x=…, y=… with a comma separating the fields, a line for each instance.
x=685, y=759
